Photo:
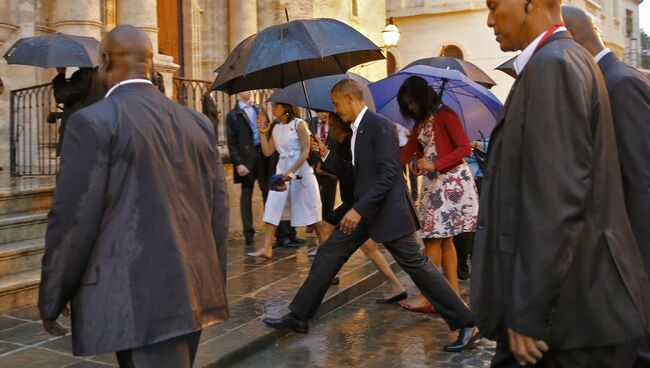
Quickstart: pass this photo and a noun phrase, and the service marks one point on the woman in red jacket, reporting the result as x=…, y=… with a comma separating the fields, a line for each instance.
x=449, y=200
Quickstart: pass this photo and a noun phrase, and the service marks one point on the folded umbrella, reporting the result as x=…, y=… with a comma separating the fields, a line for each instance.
x=318, y=90
x=55, y=51
x=287, y=53
x=444, y=62
x=476, y=106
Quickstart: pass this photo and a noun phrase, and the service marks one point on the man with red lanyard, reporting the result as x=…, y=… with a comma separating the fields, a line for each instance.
x=557, y=278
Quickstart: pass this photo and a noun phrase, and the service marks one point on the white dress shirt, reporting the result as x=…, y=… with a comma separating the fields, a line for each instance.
x=128, y=81
x=355, y=127
x=524, y=57
x=602, y=55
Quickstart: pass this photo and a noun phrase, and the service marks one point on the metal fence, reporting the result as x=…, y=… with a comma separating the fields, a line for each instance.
x=33, y=140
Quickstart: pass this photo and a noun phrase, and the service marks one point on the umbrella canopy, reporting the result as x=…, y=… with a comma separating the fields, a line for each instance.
x=508, y=67
x=318, y=90
x=287, y=53
x=444, y=62
x=476, y=106
x=55, y=51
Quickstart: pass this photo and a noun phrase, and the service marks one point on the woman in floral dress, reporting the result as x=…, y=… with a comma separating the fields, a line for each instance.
x=449, y=200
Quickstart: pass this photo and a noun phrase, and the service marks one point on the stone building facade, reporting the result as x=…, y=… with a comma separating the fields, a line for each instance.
x=190, y=37
x=459, y=28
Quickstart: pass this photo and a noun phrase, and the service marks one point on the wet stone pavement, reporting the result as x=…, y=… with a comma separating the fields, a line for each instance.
x=364, y=334
x=255, y=288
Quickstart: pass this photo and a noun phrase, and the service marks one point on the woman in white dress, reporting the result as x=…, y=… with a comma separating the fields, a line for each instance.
x=300, y=202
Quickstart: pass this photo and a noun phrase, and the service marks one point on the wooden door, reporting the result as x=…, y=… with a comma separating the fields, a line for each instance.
x=169, y=36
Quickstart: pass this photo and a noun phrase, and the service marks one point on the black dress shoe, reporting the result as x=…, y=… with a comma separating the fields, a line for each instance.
x=394, y=299
x=466, y=338
x=289, y=321
x=286, y=243
x=335, y=281
x=297, y=240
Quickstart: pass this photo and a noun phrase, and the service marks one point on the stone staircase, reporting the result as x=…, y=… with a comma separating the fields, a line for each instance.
x=23, y=220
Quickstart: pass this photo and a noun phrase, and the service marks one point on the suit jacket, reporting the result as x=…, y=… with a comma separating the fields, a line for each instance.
x=74, y=94
x=629, y=93
x=380, y=193
x=554, y=254
x=136, y=237
x=241, y=145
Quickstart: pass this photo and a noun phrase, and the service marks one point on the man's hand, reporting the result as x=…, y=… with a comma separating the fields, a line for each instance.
x=324, y=150
x=54, y=328
x=313, y=145
x=526, y=349
x=350, y=221
x=242, y=170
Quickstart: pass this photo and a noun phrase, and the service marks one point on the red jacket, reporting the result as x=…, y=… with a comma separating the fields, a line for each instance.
x=452, y=144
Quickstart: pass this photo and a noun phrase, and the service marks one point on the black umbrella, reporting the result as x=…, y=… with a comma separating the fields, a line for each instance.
x=55, y=51
x=318, y=91
x=470, y=70
x=287, y=53
x=508, y=67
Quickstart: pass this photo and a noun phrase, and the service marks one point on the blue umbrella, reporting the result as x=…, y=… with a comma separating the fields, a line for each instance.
x=476, y=106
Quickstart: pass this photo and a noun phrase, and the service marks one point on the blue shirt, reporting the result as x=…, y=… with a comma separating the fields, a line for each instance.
x=251, y=114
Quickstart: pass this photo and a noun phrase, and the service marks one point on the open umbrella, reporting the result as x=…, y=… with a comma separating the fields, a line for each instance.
x=508, y=67
x=476, y=106
x=444, y=62
x=318, y=90
x=287, y=53
x=55, y=51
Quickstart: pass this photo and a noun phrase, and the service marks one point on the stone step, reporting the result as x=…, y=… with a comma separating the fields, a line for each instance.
x=21, y=256
x=25, y=200
x=19, y=290
x=22, y=226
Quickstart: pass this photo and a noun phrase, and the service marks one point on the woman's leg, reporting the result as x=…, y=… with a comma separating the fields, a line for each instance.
x=269, y=235
x=450, y=263
x=372, y=251
x=433, y=251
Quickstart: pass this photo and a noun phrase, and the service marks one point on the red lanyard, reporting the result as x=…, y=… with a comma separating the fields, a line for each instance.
x=549, y=33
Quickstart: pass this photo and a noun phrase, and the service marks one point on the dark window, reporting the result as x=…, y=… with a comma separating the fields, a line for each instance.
x=391, y=65
x=452, y=51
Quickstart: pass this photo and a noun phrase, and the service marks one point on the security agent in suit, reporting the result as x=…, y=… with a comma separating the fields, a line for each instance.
x=249, y=164
x=629, y=94
x=136, y=238
x=326, y=182
x=382, y=211
x=558, y=279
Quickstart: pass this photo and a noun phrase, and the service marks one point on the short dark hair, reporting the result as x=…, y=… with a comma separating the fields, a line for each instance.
x=418, y=91
x=350, y=86
x=288, y=110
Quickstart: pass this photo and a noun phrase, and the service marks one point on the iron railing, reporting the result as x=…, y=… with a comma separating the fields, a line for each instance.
x=33, y=140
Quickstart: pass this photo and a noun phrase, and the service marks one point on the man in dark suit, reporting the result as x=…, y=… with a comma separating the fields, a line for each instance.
x=326, y=182
x=249, y=163
x=629, y=94
x=557, y=280
x=382, y=211
x=136, y=237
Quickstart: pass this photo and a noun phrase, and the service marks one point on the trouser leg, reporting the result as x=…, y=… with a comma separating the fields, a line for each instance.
x=178, y=352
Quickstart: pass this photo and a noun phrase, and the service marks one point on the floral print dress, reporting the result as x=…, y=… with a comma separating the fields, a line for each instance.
x=449, y=201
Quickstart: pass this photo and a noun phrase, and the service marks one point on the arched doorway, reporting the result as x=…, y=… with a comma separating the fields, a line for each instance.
x=452, y=51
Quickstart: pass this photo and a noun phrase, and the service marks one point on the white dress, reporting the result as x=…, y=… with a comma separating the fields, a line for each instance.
x=301, y=202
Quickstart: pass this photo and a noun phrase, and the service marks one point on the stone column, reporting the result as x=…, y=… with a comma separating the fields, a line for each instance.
x=192, y=39
x=144, y=15
x=83, y=18
x=7, y=27
x=242, y=18
x=214, y=40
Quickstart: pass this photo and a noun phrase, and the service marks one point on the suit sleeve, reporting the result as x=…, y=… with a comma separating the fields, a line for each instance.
x=76, y=214
x=458, y=138
x=630, y=101
x=337, y=165
x=220, y=216
x=233, y=140
x=556, y=185
x=385, y=148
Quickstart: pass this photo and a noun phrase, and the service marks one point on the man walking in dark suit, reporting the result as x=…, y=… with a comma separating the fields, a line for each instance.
x=558, y=279
x=629, y=94
x=382, y=211
x=326, y=182
x=136, y=237
x=249, y=164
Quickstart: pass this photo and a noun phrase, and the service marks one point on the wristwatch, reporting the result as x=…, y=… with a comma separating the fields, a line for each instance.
x=291, y=175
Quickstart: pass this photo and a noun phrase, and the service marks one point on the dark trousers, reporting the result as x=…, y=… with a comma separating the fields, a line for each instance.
x=591, y=357
x=260, y=173
x=635, y=354
x=463, y=244
x=336, y=250
x=327, y=186
x=178, y=352
x=285, y=231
